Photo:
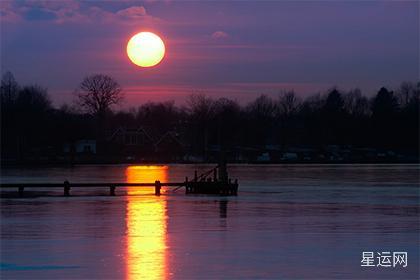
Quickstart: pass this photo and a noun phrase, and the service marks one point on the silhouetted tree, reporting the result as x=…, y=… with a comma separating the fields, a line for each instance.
x=33, y=99
x=406, y=91
x=9, y=88
x=32, y=120
x=200, y=106
x=384, y=104
x=356, y=124
x=31, y=127
x=333, y=117
x=356, y=104
x=200, y=109
x=160, y=117
x=311, y=120
x=384, y=118
x=260, y=115
x=289, y=103
x=408, y=122
x=98, y=93
x=334, y=104
x=288, y=107
x=227, y=122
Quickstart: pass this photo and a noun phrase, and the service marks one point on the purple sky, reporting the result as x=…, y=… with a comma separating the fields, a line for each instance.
x=234, y=49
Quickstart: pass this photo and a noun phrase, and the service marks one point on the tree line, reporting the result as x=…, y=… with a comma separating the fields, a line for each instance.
x=388, y=120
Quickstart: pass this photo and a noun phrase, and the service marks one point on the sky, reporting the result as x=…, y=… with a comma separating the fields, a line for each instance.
x=237, y=49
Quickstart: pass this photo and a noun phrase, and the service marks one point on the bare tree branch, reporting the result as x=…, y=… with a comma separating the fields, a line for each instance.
x=98, y=93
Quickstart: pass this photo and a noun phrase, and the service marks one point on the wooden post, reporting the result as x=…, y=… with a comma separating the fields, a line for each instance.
x=157, y=187
x=112, y=190
x=21, y=190
x=195, y=176
x=223, y=174
x=186, y=185
x=66, y=188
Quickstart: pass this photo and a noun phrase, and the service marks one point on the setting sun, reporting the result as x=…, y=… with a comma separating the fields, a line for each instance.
x=145, y=49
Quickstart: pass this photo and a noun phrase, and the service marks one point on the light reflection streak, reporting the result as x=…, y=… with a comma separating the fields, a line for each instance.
x=146, y=256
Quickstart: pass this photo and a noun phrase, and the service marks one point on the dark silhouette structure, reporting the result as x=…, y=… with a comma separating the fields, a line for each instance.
x=202, y=184
x=333, y=127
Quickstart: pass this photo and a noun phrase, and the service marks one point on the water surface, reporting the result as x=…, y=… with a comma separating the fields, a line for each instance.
x=288, y=221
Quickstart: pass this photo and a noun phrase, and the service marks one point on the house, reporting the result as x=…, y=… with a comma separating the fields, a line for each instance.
x=84, y=146
x=169, y=146
x=131, y=137
x=130, y=142
x=246, y=154
x=288, y=156
x=264, y=157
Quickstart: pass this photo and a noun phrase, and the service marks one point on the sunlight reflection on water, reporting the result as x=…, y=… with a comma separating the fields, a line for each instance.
x=146, y=225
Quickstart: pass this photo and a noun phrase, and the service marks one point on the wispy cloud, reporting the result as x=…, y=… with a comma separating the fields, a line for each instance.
x=219, y=35
x=70, y=11
x=8, y=12
x=135, y=12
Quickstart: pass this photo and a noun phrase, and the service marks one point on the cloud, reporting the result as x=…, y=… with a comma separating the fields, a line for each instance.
x=52, y=5
x=69, y=11
x=70, y=15
x=7, y=13
x=135, y=12
x=40, y=14
x=98, y=14
x=219, y=35
x=46, y=10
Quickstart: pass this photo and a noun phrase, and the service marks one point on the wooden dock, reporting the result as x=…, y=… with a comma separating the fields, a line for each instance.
x=191, y=187
x=67, y=186
x=203, y=184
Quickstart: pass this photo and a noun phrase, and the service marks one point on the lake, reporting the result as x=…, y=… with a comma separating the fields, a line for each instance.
x=288, y=221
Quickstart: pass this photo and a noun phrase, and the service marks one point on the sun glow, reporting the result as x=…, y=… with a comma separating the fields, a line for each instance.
x=145, y=49
x=146, y=225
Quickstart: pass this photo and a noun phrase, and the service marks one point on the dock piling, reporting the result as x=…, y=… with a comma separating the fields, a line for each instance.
x=157, y=187
x=112, y=190
x=21, y=188
x=66, y=188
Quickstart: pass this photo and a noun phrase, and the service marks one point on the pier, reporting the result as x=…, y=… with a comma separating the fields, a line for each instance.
x=214, y=181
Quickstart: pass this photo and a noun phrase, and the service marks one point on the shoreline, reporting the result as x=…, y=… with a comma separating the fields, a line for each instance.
x=64, y=164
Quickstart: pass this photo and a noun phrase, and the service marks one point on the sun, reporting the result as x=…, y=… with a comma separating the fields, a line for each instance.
x=146, y=49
